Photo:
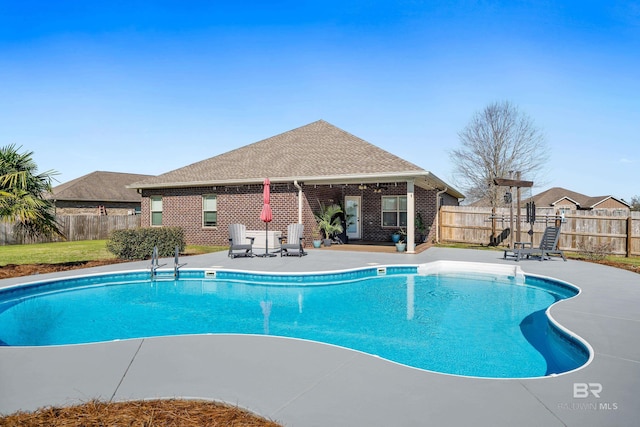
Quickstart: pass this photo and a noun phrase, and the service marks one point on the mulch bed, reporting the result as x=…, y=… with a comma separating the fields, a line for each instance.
x=143, y=413
x=13, y=270
x=621, y=265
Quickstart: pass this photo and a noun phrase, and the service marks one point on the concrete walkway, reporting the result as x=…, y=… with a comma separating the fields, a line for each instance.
x=300, y=383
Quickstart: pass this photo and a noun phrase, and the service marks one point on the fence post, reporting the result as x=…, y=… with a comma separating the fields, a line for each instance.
x=493, y=239
x=629, y=235
x=518, y=239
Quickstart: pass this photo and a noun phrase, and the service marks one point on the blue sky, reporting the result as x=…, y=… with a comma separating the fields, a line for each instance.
x=148, y=87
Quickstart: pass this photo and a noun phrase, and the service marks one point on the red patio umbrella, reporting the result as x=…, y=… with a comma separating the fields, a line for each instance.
x=266, y=215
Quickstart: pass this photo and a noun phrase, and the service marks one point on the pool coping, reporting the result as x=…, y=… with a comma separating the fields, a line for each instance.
x=301, y=383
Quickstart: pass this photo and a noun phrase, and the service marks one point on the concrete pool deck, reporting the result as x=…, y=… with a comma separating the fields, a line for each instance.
x=301, y=383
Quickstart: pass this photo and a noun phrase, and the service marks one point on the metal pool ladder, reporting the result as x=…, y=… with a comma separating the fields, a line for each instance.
x=155, y=263
x=176, y=264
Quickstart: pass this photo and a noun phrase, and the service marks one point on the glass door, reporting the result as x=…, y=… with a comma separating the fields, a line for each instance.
x=352, y=213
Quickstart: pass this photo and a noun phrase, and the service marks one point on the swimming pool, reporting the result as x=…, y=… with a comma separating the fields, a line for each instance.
x=476, y=321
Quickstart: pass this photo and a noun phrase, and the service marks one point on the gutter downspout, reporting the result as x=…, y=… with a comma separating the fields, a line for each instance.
x=411, y=217
x=438, y=194
x=295, y=183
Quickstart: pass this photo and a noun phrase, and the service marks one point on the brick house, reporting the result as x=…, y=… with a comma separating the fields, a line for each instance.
x=561, y=200
x=308, y=166
x=98, y=193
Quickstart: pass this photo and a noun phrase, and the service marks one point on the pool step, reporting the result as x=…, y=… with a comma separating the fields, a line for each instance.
x=164, y=275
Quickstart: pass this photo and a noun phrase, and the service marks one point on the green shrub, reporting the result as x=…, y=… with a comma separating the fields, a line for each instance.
x=138, y=243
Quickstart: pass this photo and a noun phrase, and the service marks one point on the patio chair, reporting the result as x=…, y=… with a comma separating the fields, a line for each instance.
x=238, y=241
x=294, y=237
x=548, y=246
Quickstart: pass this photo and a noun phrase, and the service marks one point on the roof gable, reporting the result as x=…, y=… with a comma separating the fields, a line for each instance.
x=565, y=201
x=594, y=202
x=318, y=149
x=100, y=186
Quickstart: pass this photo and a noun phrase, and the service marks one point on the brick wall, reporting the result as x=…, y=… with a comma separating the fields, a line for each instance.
x=242, y=204
x=237, y=204
x=371, y=220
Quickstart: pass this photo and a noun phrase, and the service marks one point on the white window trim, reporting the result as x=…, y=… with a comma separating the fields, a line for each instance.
x=397, y=211
x=151, y=211
x=204, y=196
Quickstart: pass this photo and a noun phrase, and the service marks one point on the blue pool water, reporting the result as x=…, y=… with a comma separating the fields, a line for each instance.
x=460, y=324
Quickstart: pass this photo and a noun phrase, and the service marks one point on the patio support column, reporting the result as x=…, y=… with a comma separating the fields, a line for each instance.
x=411, y=216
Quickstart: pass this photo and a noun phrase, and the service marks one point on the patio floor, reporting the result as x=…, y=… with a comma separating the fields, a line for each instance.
x=302, y=383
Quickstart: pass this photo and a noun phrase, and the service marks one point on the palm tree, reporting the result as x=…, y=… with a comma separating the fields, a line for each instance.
x=328, y=220
x=22, y=194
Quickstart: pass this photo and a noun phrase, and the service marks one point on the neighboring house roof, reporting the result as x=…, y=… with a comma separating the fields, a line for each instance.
x=555, y=195
x=593, y=202
x=316, y=153
x=100, y=186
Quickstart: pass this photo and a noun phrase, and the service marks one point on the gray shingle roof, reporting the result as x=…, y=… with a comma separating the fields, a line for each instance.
x=318, y=149
x=316, y=153
x=553, y=195
x=100, y=186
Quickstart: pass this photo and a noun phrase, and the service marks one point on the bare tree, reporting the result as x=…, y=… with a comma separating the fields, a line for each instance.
x=497, y=141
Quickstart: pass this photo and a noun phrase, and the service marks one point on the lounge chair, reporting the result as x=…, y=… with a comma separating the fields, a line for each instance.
x=548, y=246
x=294, y=239
x=238, y=241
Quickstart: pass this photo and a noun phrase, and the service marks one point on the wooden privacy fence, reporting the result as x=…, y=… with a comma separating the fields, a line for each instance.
x=75, y=227
x=581, y=229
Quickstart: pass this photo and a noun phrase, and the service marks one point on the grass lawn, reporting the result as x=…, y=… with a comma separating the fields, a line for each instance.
x=68, y=252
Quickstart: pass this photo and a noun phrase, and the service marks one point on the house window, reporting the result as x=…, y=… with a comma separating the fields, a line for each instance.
x=156, y=210
x=394, y=211
x=210, y=210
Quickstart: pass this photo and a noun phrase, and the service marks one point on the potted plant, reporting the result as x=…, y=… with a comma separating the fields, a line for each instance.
x=398, y=235
x=329, y=221
x=401, y=246
x=315, y=235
